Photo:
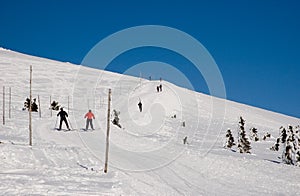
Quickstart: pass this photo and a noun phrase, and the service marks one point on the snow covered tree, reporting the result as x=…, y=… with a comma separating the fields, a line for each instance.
x=243, y=143
x=267, y=135
x=275, y=147
x=253, y=132
x=54, y=105
x=116, y=119
x=229, y=139
x=281, y=139
x=283, y=135
x=34, y=107
x=297, y=139
x=297, y=157
x=288, y=152
x=291, y=153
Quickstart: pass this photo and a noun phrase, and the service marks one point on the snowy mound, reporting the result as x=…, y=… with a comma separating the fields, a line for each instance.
x=174, y=146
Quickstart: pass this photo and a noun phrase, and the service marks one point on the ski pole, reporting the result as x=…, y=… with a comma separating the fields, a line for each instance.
x=70, y=123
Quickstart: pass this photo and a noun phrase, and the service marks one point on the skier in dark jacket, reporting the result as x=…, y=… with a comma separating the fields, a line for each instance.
x=140, y=106
x=160, y=87
x=63, y=117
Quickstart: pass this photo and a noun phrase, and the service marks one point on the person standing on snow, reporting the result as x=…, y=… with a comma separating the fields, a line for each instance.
x=63, y=117
x=140, y=106
x=89, y=119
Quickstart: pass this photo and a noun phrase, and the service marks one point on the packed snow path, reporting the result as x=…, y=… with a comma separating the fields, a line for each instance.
x=147, y=155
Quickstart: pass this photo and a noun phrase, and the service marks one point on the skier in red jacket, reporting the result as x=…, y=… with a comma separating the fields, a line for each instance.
x=89, y=119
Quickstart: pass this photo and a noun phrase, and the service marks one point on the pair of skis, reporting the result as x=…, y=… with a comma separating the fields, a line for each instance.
x=66, y=130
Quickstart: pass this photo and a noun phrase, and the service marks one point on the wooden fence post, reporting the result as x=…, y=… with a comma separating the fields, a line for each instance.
x=3, y=113
x=68, y=105
x=30, y=97
x=50, y=107
x=40, y=111
x=9, y=111
x=9, y=104
x=107, y=131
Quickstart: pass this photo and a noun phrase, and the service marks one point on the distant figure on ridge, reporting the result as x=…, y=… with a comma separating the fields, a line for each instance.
x=140, y=106
x=89, y=119
x=160, y=87
x=63, y=117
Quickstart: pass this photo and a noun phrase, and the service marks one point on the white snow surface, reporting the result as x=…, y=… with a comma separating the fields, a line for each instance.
x=147, y=155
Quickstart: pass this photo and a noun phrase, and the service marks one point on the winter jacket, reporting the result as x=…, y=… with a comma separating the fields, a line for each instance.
x=62, y=114
x=89, y=115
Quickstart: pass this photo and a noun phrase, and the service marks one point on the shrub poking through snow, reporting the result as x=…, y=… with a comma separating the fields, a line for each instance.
x=229, y=139
x=283, y=135
x=116, y=118
x=297, y=157
x=290, y=146
x=54, y=106
x=243, y=143
x=34, y=107
x=275, y=147
x=267, y=135
x=253, y=132
x=281, y=139
x=288, y=152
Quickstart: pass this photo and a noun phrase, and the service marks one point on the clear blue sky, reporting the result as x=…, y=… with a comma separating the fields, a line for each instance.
x=255, y=43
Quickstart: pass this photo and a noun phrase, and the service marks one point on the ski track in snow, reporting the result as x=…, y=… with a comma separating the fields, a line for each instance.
x=147, y=155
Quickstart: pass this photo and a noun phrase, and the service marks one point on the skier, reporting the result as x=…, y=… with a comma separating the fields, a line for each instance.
x=140, y=106
x=185, y=140
x=89, y=119
x=160, y=87
x=63, y=117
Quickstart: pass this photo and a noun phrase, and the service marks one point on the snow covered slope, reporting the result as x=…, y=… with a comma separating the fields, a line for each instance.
x=147, y=155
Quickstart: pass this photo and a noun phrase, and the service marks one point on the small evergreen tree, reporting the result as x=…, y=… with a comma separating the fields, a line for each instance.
x=253, y=132
x=243, y=143
x=281, y=139
x=288, y=152
x=283, y=135
x=229, y=139
x=297, y=157
x=34, y=107
x=54, y=105
x=116, y=119
x=275, y=147
x=267, y=135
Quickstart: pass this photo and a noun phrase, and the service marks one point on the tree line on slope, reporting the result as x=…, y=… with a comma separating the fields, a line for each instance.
x=288, y=138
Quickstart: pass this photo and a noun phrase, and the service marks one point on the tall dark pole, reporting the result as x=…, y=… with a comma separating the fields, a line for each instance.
x=40, y=111
x=9, y=103
x=107, y=132
x=30, y=97
x=50, y=107
x=3, y=105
